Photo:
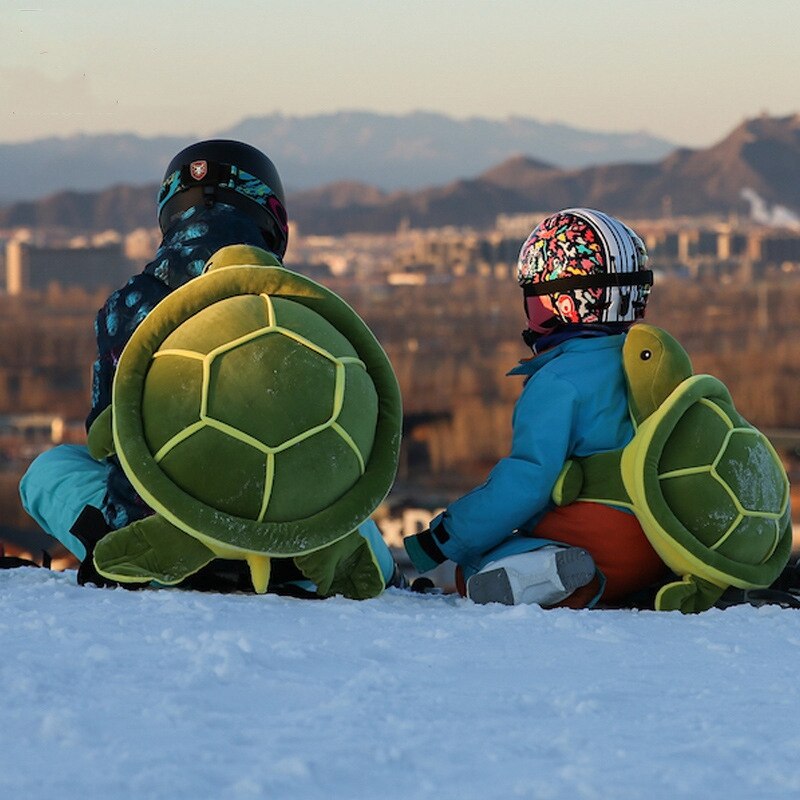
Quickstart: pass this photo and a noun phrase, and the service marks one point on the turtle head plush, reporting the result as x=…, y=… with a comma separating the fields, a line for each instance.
x=254, y=411
x=655, y=365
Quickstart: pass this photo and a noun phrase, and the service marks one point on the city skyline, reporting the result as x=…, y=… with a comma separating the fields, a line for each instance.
x=688, y=72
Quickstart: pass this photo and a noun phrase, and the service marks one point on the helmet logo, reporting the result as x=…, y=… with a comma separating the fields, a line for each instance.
x=198, y=170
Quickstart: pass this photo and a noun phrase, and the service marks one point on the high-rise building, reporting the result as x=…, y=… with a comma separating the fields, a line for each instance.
x=31, y=267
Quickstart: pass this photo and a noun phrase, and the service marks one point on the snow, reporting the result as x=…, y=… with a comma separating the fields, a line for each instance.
x=173, y=694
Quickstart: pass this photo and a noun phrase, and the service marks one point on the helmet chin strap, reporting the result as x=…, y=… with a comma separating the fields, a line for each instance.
x=531, y=337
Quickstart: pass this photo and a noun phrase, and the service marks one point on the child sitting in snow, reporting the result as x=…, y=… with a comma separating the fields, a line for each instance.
x=585, y=282
x=215, y=193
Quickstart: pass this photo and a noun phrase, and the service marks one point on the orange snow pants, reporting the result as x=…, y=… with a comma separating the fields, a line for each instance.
x=615, y=541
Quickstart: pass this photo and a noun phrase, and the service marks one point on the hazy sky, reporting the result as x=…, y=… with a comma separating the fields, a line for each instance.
x=688, y=70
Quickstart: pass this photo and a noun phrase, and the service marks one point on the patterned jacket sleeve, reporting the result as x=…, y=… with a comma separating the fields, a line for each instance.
x=114, y=325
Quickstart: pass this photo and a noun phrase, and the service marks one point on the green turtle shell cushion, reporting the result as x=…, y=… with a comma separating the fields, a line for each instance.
x=254, y=409
x=709, y=489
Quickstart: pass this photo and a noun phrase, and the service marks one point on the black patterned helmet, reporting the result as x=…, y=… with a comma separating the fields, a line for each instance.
x=226, y=171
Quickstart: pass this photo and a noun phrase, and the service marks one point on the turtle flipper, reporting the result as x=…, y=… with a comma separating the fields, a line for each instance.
x=150, y=550
x=100, y=439
x=596, y=478
x=347, y=567
x=569, y=483
x=690, y=595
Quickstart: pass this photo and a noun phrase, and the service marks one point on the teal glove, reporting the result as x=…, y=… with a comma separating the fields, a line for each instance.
x=424, y=551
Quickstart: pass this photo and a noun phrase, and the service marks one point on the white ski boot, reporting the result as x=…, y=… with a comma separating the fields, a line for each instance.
x=542, y=577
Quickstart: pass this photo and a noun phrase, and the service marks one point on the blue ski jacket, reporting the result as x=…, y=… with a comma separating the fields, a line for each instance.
x=574, y=403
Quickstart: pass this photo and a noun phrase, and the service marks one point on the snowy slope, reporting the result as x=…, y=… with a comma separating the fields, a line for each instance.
x=170, y=694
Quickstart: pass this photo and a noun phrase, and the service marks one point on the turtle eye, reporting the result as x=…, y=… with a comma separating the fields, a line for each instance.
x=646, y=355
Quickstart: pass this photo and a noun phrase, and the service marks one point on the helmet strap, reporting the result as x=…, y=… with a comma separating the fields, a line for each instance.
x=643, y=277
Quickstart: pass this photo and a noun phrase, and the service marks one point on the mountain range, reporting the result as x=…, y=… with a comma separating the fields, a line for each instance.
x=392, y=152
x=761, y=156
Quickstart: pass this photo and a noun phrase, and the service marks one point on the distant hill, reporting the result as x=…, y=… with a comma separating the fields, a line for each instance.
x=32, y=170
x=391, y=152
x=762, y=155
x=423, y=149
x=121, y=208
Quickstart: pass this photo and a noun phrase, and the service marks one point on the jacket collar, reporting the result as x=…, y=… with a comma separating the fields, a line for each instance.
x=577, y=342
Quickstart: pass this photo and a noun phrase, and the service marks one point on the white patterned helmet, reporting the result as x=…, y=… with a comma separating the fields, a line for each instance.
x=583, y=266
